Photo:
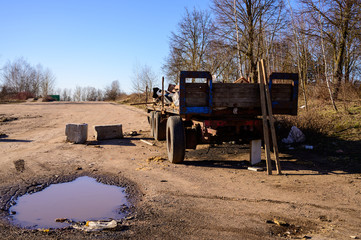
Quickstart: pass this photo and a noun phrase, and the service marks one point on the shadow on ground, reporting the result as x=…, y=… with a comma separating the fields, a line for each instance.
x=4, y=138
x=127, y=141
x=328, y=156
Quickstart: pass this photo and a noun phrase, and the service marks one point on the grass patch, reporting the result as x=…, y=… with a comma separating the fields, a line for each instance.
x=336, y=135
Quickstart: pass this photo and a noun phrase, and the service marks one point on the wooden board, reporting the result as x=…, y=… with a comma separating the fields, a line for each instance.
x=264, y=120
x=270, y=117
x=248, y=95
x=196, y=94
x=245, y=96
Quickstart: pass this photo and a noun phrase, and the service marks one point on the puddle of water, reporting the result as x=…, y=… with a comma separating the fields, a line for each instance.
x=80, y=200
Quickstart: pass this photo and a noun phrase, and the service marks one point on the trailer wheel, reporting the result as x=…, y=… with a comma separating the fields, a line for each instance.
x=159, y=127
x=152, y=123
x=175, y=139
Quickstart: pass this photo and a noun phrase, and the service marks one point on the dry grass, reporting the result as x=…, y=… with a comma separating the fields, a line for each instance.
x=321, y=119
x=336, y=135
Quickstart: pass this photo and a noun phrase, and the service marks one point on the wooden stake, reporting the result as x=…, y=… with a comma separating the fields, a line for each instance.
x=271, y=119
x=265, y=122
x=146, y=94
x=162, y=95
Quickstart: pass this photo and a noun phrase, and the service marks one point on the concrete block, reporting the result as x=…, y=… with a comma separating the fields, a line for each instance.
x=255, y=155
x=76, y=133
x=108, y=132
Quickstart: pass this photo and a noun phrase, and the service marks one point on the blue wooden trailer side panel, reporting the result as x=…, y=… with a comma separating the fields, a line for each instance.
x=194, y=110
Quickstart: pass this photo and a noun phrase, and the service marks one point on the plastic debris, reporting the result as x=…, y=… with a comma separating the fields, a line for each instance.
x=256, y=169
x=96, y=225
x=149, y=143
x=295, y=136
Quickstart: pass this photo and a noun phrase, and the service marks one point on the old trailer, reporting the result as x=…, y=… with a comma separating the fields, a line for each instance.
x=212, y=113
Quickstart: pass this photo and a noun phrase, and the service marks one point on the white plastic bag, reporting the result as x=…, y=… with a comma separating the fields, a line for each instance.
x=295, y=136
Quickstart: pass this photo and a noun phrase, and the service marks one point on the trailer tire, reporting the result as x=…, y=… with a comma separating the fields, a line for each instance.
x=159, y=127
x=152, y=123
x=175, y=139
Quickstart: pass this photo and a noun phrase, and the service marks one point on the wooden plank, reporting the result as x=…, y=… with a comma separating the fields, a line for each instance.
x=236, y=99
x=239, y=94
x=196, y=102
x=234, y=86
x=236, y=104
x=277, y=75
x=196, y=87
x=282, y=98
x=271, y=119
x=196, y=95
x=265, y=122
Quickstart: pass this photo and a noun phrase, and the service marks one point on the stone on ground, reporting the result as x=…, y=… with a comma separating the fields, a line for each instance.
x=76, y=133
x=104, y=132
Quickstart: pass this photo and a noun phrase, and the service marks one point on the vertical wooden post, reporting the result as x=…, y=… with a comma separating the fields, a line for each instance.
x=146, y=94
x=265, y=122
x=162, y=94
x=271, y=119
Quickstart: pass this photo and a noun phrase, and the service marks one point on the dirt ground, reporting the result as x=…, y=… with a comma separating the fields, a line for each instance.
x=211, y=196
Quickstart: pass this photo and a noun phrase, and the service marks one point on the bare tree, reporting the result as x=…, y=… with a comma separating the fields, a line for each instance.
x=112, y=91
x=221, y=61
x=143, y=77
x=77, y=96
x=47, y=82
x=19, y=76
x=189, y=45
x=91, y=94
x=300, y=53
x=100, y=95
x=66, y=94
x=251, y=26
x=334, y=21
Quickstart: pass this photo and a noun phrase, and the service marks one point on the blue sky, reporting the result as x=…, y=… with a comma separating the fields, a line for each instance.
x=90, y=42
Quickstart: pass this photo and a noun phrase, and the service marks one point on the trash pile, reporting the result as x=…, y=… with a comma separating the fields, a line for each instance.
x=171, y=96
x=90, y=226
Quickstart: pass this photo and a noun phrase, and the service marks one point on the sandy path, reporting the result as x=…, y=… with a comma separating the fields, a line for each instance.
x=211, y=196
